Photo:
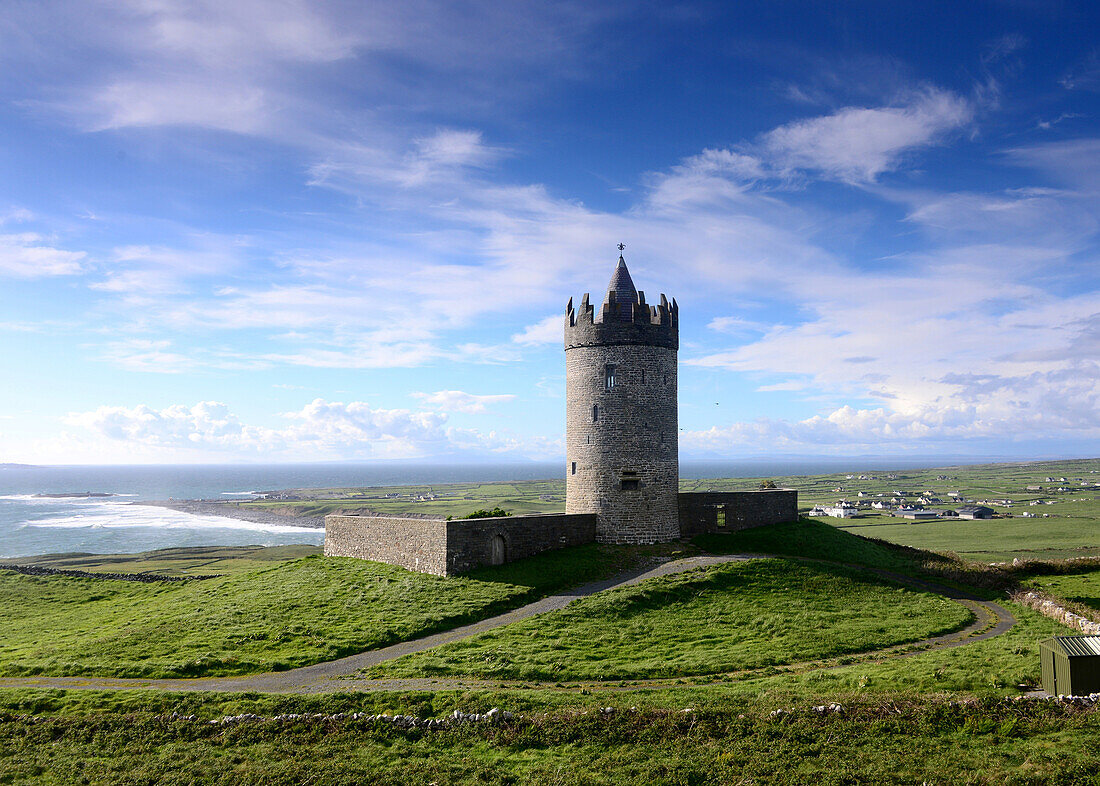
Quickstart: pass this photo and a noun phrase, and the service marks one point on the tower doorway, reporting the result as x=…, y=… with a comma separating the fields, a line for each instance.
x=497, y=550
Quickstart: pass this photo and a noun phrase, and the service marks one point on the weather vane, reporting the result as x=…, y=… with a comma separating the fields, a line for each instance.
x=621, y=247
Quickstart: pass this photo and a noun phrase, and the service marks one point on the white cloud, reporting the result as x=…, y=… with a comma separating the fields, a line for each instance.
x=16, y=215
x=460, y=401
x=137, y=354
x=159, y=357
x=154, y=271
x=1074, y=162
x=26, y=255
x=858, y=144
x=737, y=325
x=320, y=430
x=997, y=417
x=1084, y=75
x=267, y=68
x=549, y=330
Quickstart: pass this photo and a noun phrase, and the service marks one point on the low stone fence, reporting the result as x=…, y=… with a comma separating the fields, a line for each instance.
x=1049, y=608
x=148, y=578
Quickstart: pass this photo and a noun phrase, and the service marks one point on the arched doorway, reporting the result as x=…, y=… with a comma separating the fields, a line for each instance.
x=497, y=549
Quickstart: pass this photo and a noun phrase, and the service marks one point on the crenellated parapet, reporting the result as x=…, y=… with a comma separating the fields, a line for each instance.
x=624, y=318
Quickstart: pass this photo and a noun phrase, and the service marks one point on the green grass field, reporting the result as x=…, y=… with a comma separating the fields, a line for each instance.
x=889, y=741
x=293, y=613
x=993, y=540
x=909, y=719
x=452, y=499
x=187, y=561
x=727, y=618
x=1082, y=588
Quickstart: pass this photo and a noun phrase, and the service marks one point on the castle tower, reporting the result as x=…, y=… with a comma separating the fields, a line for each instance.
x=621, y=458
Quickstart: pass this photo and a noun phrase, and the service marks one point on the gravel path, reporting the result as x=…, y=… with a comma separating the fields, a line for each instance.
x=344, y=674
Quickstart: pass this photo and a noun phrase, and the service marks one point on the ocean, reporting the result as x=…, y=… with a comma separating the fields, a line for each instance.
x=32, y=525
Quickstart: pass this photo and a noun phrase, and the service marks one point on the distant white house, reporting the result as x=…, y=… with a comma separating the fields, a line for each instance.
x=841, y=511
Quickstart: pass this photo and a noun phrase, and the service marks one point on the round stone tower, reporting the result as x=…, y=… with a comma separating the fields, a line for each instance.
x=621, y=458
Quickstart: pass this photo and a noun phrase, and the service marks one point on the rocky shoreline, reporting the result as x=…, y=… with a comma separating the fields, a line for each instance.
x=232, y=510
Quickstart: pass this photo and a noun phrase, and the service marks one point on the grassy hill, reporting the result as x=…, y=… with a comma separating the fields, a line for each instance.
x=742, y=615
x=283, y=614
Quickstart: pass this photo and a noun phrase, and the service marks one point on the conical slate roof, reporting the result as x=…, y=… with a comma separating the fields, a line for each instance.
x=621, y=289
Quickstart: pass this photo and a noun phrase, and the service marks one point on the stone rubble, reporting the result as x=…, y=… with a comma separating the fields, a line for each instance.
x=456, y=718
x=496, y=715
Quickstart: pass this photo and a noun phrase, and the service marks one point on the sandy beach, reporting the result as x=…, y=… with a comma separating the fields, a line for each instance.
x=234, y=510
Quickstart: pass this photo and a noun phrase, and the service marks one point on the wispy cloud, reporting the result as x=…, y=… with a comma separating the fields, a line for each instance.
x=857, y=144
x=548, y=330
x=460, y=401
x=29, y=255
x=1084, y=75
x=319, y=430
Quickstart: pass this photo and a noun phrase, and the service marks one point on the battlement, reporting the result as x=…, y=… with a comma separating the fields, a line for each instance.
x=624, y=318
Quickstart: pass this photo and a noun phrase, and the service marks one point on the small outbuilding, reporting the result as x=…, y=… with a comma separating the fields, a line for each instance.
x=1071, y=665
x=912, y=513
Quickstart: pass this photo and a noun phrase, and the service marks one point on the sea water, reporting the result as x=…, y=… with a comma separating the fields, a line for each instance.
x=105, y=525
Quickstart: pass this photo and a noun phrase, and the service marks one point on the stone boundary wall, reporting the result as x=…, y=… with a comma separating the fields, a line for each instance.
x=445, y=548
x=416, y=544
x=147, y=578
x=470, y=541
x=743, y=509
x=1051, y=609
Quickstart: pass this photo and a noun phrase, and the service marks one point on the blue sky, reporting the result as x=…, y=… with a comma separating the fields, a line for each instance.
x=297, y=231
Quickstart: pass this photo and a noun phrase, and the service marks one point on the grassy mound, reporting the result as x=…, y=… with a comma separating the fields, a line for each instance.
x=726, y=618
x=293, y=614
x=816, y=540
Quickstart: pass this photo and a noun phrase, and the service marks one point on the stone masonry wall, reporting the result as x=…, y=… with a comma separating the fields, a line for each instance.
x=416, y=544
x=742, y=509
x=448, y=547
x=635, y=431
x=469, y=541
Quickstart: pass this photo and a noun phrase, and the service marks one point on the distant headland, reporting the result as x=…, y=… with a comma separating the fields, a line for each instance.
x=76, y=495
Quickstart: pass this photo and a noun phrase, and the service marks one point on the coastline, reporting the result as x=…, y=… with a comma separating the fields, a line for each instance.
x=232, y=510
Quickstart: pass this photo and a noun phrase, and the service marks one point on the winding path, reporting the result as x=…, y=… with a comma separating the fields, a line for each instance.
x=344, y=674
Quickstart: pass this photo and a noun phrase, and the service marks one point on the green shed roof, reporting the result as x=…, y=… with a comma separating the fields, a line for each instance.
x=1078, y=646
